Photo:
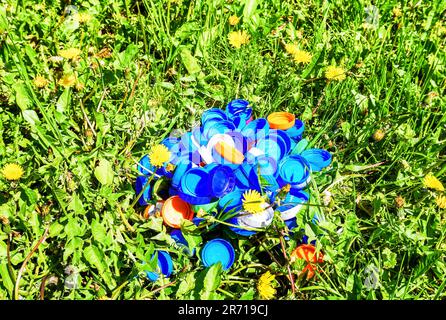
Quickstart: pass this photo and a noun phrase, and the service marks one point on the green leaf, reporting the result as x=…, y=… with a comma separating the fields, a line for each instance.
x=55, y=229
x=73, y=229
x=249, y=9
x=350, y=282
x=95, y=257
x=156, y=224
x=389, y=258
x=6, y=279
x=248, y=295
x=64, y=101
x=22, y=97
x=31, y=195
x=31, y=117
x=99, y=232
x=191, y=234
x=211, y=281
x=187, y=284
x=73, y=245
x=126, y=58
x=104, y=172
x=76, y=205
x=189, y=61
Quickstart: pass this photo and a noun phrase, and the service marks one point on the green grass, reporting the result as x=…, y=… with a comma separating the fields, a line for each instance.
x=171, y=60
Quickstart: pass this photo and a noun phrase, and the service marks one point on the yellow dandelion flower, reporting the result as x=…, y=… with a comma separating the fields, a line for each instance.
x=40, y=81
x=252, y=201
x=335, y=73
x=238, y=38
x=71, y=53
x=397, y=12
x=12, y=171
x=233, y=20
x=302, y=56
x=291, y=48
x=431, y=182
x=83, y=17
x=159, y=155
x=264, y=286
x=441, y=201
x=68, y=80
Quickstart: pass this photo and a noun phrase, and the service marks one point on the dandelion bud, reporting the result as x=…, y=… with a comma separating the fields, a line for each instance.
x=399, y=202
x=378, y=135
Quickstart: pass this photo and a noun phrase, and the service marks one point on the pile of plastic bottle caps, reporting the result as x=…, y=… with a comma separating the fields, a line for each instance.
x=212, y=166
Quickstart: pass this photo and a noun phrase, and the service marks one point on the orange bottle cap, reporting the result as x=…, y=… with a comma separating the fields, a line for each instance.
x=229, y=152
x=281, y=120
x=174, y=210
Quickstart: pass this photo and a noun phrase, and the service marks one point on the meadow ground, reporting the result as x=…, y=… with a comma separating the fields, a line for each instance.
x=87, y=87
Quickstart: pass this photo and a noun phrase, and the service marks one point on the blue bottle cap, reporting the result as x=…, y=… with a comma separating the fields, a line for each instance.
x=293, y=144
x=250, y=172
x=256, y=129
x=170, y=141
x=280, y=134
x=237, y=106
x=189, y=145
x=241, y=180
x=239, y=122
x=291, y=223
x=297, y=130
x=182, y=166
x=222, y=180
x=240, y=141
x=317, y=158
x=195, y=186
x=175, y=153
x=194, y=157
x=218, y=250
x=198, y=137
x=213, y=113
x=164, y=264
x=232, y=200
x=173, y=191
x=293, y=170
x=139, y=185
x=145, y=167
x=267, y=165
x=212, y=128
x=273, y=147
x=239, y=231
